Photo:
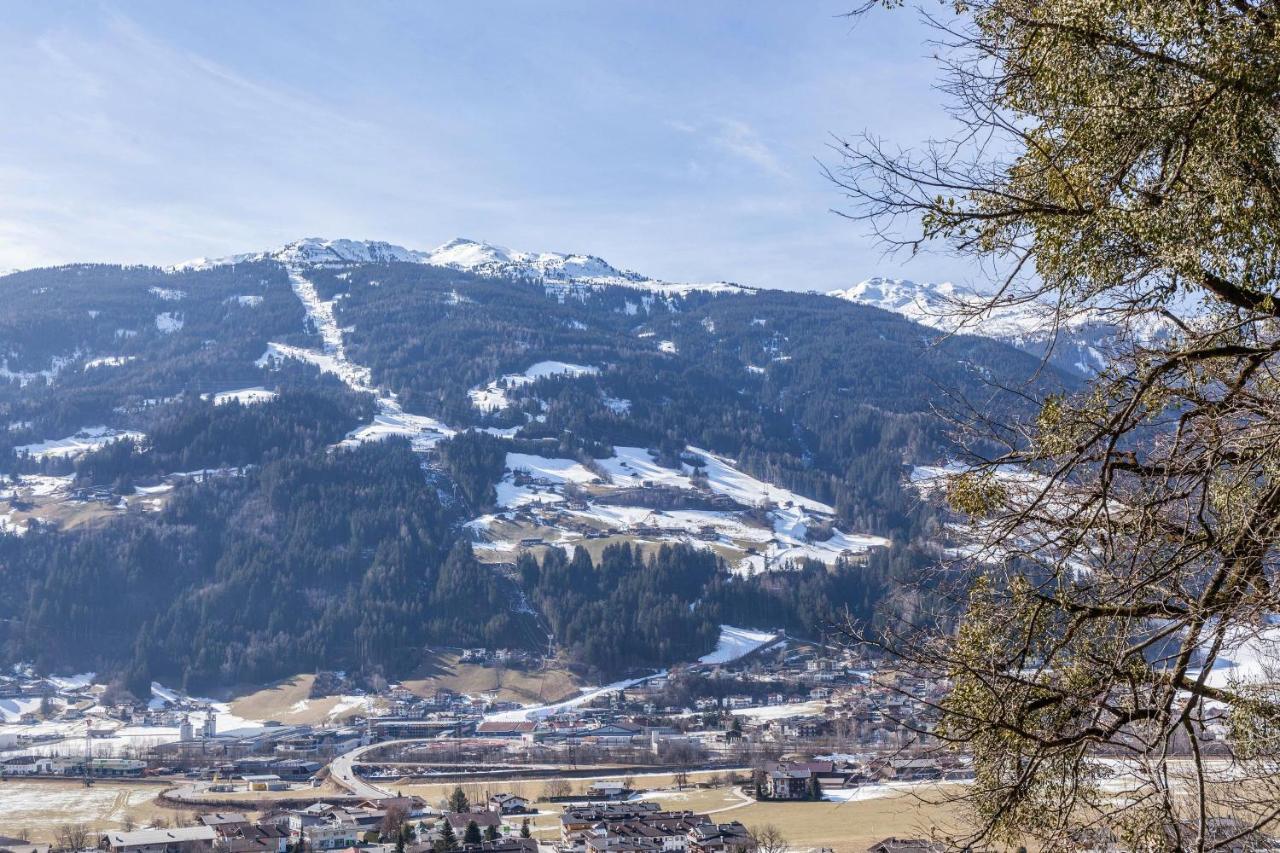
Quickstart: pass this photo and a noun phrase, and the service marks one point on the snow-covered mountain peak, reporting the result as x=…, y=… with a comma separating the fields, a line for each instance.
x=465, y=253
x=949, y=307
x=928, y=302
x=557, y=269
x=1078, y=342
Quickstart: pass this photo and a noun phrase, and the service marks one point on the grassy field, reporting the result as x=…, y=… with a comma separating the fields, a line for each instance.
x=442, y=669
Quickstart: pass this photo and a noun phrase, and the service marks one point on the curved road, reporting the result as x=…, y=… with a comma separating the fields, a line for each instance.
x=342, y=769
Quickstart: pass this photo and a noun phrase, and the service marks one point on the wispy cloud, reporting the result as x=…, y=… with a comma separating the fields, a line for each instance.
x=741, y=140
x=738, y=139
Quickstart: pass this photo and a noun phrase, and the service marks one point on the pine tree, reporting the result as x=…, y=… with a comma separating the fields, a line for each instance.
x=458, y=801
x=491, y=833
x=447, y=840
x=524, y=829
x=472, y=834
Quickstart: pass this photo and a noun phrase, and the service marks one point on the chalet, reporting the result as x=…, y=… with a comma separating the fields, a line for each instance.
x=508, y=804
x=577, y=820
x=413, y=806
x=721, y=838
x=484, y=820
x=607, y=789
x=260, y=837
x=789, y=784
x=668, y=830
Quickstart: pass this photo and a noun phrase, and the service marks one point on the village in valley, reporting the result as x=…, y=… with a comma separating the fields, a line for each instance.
x=768, y=743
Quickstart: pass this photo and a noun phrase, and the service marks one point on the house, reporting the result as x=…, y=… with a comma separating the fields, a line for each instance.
x=508, y=804
x=789, y=784
x=459, y=820
x=607, y=789
x=721, y=838
x=413, y=806
x=669, y=830
x=330, y=835
x=260, y=837
x=187, y=839
x=905, y=845
x=577, y=820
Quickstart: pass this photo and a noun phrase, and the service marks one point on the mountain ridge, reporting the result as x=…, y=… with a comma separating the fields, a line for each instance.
x=556, y=269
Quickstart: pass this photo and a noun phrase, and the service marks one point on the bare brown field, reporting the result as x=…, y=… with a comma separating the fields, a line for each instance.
x=40, y=807
x=287, y=702
x=442, y=670
x=852, y=827
x=845, y=827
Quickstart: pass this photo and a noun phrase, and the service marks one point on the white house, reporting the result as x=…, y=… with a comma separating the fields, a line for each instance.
x=508, y=804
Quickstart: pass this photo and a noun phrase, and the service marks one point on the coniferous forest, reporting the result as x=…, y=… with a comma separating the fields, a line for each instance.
x=299, y=550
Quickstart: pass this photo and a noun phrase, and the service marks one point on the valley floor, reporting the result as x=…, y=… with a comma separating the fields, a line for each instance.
x=39, y=807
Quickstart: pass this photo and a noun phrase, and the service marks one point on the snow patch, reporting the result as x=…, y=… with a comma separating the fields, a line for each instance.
x=493, y=397
x=84, y=441
x=737, y=642
x=169, y=322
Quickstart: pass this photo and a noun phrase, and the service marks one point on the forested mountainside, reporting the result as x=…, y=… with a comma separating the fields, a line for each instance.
x=234, y=472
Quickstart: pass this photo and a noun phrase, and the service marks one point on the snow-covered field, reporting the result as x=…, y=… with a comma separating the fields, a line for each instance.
x=391, y=420
x=84, y=441
x=244, y=396
x=493, y=397
x=737, y=642
x=109, y=361
x=535, y=481
x=539, y=712
x=169, y=322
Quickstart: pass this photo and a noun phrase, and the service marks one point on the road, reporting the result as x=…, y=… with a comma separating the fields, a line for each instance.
x=342, y=769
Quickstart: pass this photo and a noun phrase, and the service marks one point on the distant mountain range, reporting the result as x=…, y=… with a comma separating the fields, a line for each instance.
x=480, y=258
x=1079, y=345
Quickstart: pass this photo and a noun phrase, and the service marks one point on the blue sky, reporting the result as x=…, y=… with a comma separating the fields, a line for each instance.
x=679, y=139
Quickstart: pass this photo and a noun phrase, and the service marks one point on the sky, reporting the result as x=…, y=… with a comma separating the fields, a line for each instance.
x=683, y=140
